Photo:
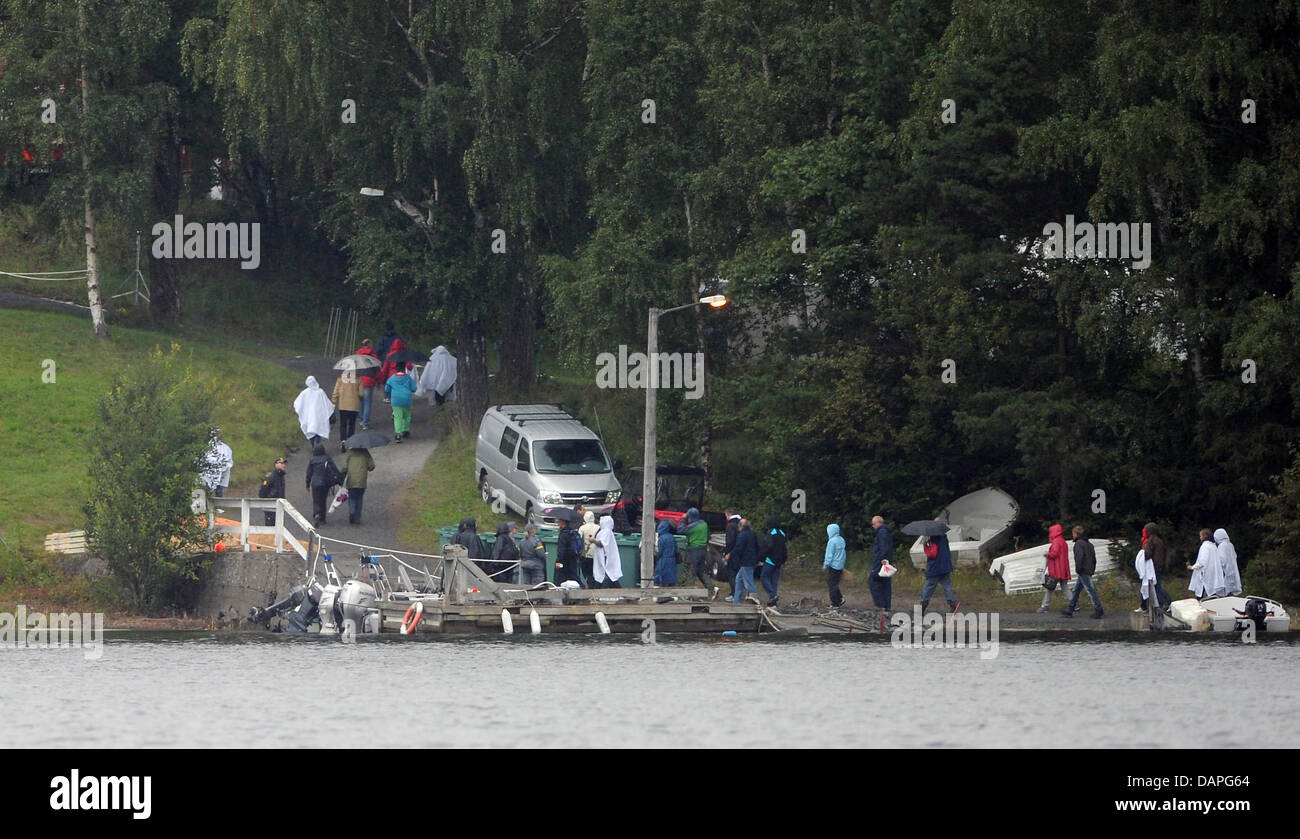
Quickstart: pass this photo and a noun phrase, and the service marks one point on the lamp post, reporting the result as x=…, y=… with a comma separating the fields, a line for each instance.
x=649, y=478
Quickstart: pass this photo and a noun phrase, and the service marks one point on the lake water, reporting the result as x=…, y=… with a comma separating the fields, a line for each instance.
x=264, y=691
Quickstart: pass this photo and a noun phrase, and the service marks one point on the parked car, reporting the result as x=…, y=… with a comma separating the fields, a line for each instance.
x=540, y=456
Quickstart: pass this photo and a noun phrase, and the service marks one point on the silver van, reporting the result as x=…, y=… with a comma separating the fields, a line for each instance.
x=539, y=456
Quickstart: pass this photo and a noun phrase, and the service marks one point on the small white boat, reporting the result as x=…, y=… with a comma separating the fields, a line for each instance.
x=1022, y=572
x=978, y=524
x=1231, y=614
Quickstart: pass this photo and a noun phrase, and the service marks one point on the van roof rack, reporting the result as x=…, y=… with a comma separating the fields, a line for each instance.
x=552, y=412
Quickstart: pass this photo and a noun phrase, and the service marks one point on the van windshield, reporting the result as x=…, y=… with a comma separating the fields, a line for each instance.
x=569, y=457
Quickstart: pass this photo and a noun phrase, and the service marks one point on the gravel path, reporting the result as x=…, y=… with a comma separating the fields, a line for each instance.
x=395, y=466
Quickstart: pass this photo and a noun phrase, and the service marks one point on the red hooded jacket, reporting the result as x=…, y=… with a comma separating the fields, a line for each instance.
x=390, y=367
x=1058, y=554
x=368, y=381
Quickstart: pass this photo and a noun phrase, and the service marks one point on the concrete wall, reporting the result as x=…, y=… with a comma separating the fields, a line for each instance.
x=239, y=581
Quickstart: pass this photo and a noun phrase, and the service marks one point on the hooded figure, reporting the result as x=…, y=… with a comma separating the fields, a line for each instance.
x=506, y=552
x=773, y=552
x=696, y=531
x=587, y=533
x=532, y=558
x=606, y=564
x=314, y=410
x=1058, y=566
x=1228, y=561
x=834, y=564
x=439, y=376
x=1207, y=576
x=467, y=535
x=665, y=555
x=217, y=463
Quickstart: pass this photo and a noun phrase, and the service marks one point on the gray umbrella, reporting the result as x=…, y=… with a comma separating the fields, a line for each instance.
x=357, y=362
x=366, y=440
x=925, y=528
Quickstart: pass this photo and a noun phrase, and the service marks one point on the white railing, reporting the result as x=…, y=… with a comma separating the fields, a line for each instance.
x=285, y=515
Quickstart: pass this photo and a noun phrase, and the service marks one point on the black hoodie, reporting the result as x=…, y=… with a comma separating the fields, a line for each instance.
x=774, y=543
x=467, y=535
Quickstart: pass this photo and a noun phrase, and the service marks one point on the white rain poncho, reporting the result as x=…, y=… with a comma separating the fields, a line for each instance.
x=1146, y=573
x=439, y=376
x=217, y=464
x=314, y=410
x=1207, y=575
x=607, y=562
x=1228, y=562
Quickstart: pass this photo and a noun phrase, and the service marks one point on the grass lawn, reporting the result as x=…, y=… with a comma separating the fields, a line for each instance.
x=45, y=427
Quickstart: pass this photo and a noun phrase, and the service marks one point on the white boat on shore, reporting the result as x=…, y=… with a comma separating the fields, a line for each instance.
x=1022, y=572
x=1231, y=614
x=978, y=524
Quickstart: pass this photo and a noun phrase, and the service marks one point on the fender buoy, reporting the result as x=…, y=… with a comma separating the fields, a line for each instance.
x=507, y=625
x=412, y=617
x=602, y=623
x=535, y=622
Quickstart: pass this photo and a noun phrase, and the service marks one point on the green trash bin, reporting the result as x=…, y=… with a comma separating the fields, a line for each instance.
x=629, y=550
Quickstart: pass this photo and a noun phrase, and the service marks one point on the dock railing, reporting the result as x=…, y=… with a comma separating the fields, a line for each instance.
x=292, y=530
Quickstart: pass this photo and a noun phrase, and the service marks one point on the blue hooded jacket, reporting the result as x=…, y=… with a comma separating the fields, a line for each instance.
x=835, y=555
x=667, y=542
x=941, y=564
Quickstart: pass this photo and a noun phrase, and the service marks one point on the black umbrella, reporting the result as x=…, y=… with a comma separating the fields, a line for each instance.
x=566, y=513
x=407, y=355
x=925, y=528
x=366, y=440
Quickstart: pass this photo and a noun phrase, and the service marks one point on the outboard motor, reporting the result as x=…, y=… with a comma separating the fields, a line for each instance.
x=264, y=615
x=308, y=610
x=1256, y=611
x=355, y=602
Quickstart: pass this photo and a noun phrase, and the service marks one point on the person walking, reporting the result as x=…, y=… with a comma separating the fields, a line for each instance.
x=439, y=377
x=357, y=466
x=368, y=383
x=1157, y=553
x=314, y=410
x=273, y=487
x=322, y=474
x=217, y=464
x=1205, y=572
x=347, y=396
x=696, y=531
x=1085, y=565
x=833, y=562
x=588, y=532
x=1228, y=562
x=1058, y=566
x=774, y=552
x=532, y=557
x=745, y=554
x=665, y=555
x=505, y=553
x=386, y=341
x=938, y=570
x=400, y=388
x=733, y=530
x=607, y=565
x=882, y=588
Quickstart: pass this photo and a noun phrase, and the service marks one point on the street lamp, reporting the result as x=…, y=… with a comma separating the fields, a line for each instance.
x=649, y=476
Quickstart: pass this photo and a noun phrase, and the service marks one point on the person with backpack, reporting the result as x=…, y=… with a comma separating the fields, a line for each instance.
x=357, y=467
x=322, y=473
x=665, y=555
x=273, y=487
x=774, y=552
x=568, y=548
x=400, y=388
x=938, y=570
x=696, y=531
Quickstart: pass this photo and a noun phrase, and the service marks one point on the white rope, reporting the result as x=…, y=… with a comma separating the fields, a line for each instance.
x=80, y=276
x=51, y=273
x=376, y=550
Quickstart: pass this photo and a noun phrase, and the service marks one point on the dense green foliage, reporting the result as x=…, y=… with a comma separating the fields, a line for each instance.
x=920, y=148
x=147, y=446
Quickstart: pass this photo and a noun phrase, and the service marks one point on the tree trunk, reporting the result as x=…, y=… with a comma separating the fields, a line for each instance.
x=92, y=248
x=471, y=375
x=164, y=274
x=519, y=338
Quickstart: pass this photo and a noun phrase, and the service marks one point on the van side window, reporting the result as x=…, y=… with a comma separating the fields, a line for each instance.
x=525, y=461
x=508, y=439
